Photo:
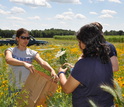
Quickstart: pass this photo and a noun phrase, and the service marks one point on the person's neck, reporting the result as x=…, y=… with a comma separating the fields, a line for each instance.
x=21, y=48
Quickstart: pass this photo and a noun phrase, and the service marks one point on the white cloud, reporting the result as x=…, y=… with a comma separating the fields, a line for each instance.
x=106, y=25
x=4, y=12
x=15, y=25
x=65, y=15
x=100, y=0
x=14, y=10
x=91, y=1
x=44, y=25
x=67, y=1
x=43, y=3
x=15, y=18
x=17, y=10
x=35, y=18
x=33, y=3
x=116, y=1
x=70, y=9
x=1, y=6
x=63, y=23
x=80, y=16
x=95, y=1
x=106, y=16
x=108, y=12
x=62, y=17
x=68, y=13
x=69, y=16
x=94, y=13
x=49, y=18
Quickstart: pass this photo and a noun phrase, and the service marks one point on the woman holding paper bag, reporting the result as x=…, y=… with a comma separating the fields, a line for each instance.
x=20, y=60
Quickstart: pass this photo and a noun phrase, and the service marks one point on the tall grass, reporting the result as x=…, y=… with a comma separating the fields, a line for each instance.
x=116, y=92
x=115, y=38
x=59, y=99
x=65, y=37
x=108, y=38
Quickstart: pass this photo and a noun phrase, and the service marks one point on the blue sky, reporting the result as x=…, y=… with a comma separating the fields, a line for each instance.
x=61, y=14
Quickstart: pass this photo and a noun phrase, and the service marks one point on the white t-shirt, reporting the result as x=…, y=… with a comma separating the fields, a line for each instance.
x=19, y=74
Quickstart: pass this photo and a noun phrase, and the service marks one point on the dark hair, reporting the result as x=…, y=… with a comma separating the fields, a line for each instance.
x=20, y=31
x=93, y=38
x=97, y=24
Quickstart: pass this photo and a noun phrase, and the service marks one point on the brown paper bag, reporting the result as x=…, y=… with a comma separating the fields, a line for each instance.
x=37, y=87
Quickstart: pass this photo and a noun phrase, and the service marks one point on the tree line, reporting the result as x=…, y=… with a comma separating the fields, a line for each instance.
x=50, y=33
x=113, y=32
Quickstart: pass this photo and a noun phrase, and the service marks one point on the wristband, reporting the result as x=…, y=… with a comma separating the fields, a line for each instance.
x=60, y=73
x=71, y=69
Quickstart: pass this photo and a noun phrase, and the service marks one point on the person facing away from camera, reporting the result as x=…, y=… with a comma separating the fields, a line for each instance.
x=113, y=52
x=91, y=71
x=20, y=60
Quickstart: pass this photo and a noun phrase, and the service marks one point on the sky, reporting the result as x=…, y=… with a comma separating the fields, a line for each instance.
x=61, y=14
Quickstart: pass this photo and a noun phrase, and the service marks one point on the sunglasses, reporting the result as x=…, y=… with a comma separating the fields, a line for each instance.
x=23, y=37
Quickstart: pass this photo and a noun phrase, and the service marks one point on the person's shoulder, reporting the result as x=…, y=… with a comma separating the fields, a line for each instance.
x=82, y=61
x=31, y=50
x=82, y=64
x=88, y=60
x=110, y=44
x=11, y=48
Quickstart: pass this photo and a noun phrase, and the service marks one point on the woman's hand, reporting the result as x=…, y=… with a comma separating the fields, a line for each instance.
x=30, y=67
x=54, y=76
x=63, y=69
x=68, y=64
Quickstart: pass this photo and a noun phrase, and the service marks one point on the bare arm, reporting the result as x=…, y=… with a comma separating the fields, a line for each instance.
x=45, y=65
x=115, y=65
x=12, y=61
x=68, y=85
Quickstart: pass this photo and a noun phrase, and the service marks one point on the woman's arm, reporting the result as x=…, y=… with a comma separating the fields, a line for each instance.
x=115, y=65
x=12, y=61
x=68, y=85
x=45, y=65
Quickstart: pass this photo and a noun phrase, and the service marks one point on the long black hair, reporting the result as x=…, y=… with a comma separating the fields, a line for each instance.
x=93, y=38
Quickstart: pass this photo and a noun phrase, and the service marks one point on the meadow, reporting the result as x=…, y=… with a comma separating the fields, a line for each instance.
x=48, y=52
x=110, y=38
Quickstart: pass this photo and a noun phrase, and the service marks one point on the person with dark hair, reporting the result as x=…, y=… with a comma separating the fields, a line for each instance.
x=89, y=72
x=113, y=52
x=20, y=60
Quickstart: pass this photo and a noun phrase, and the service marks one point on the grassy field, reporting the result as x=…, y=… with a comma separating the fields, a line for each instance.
x=48, y=52
x=116, y=38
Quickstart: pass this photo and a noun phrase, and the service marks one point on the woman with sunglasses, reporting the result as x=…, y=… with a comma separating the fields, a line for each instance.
x=20, y=60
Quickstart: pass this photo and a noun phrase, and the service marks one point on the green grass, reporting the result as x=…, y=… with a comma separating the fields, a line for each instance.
x=73, y=52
